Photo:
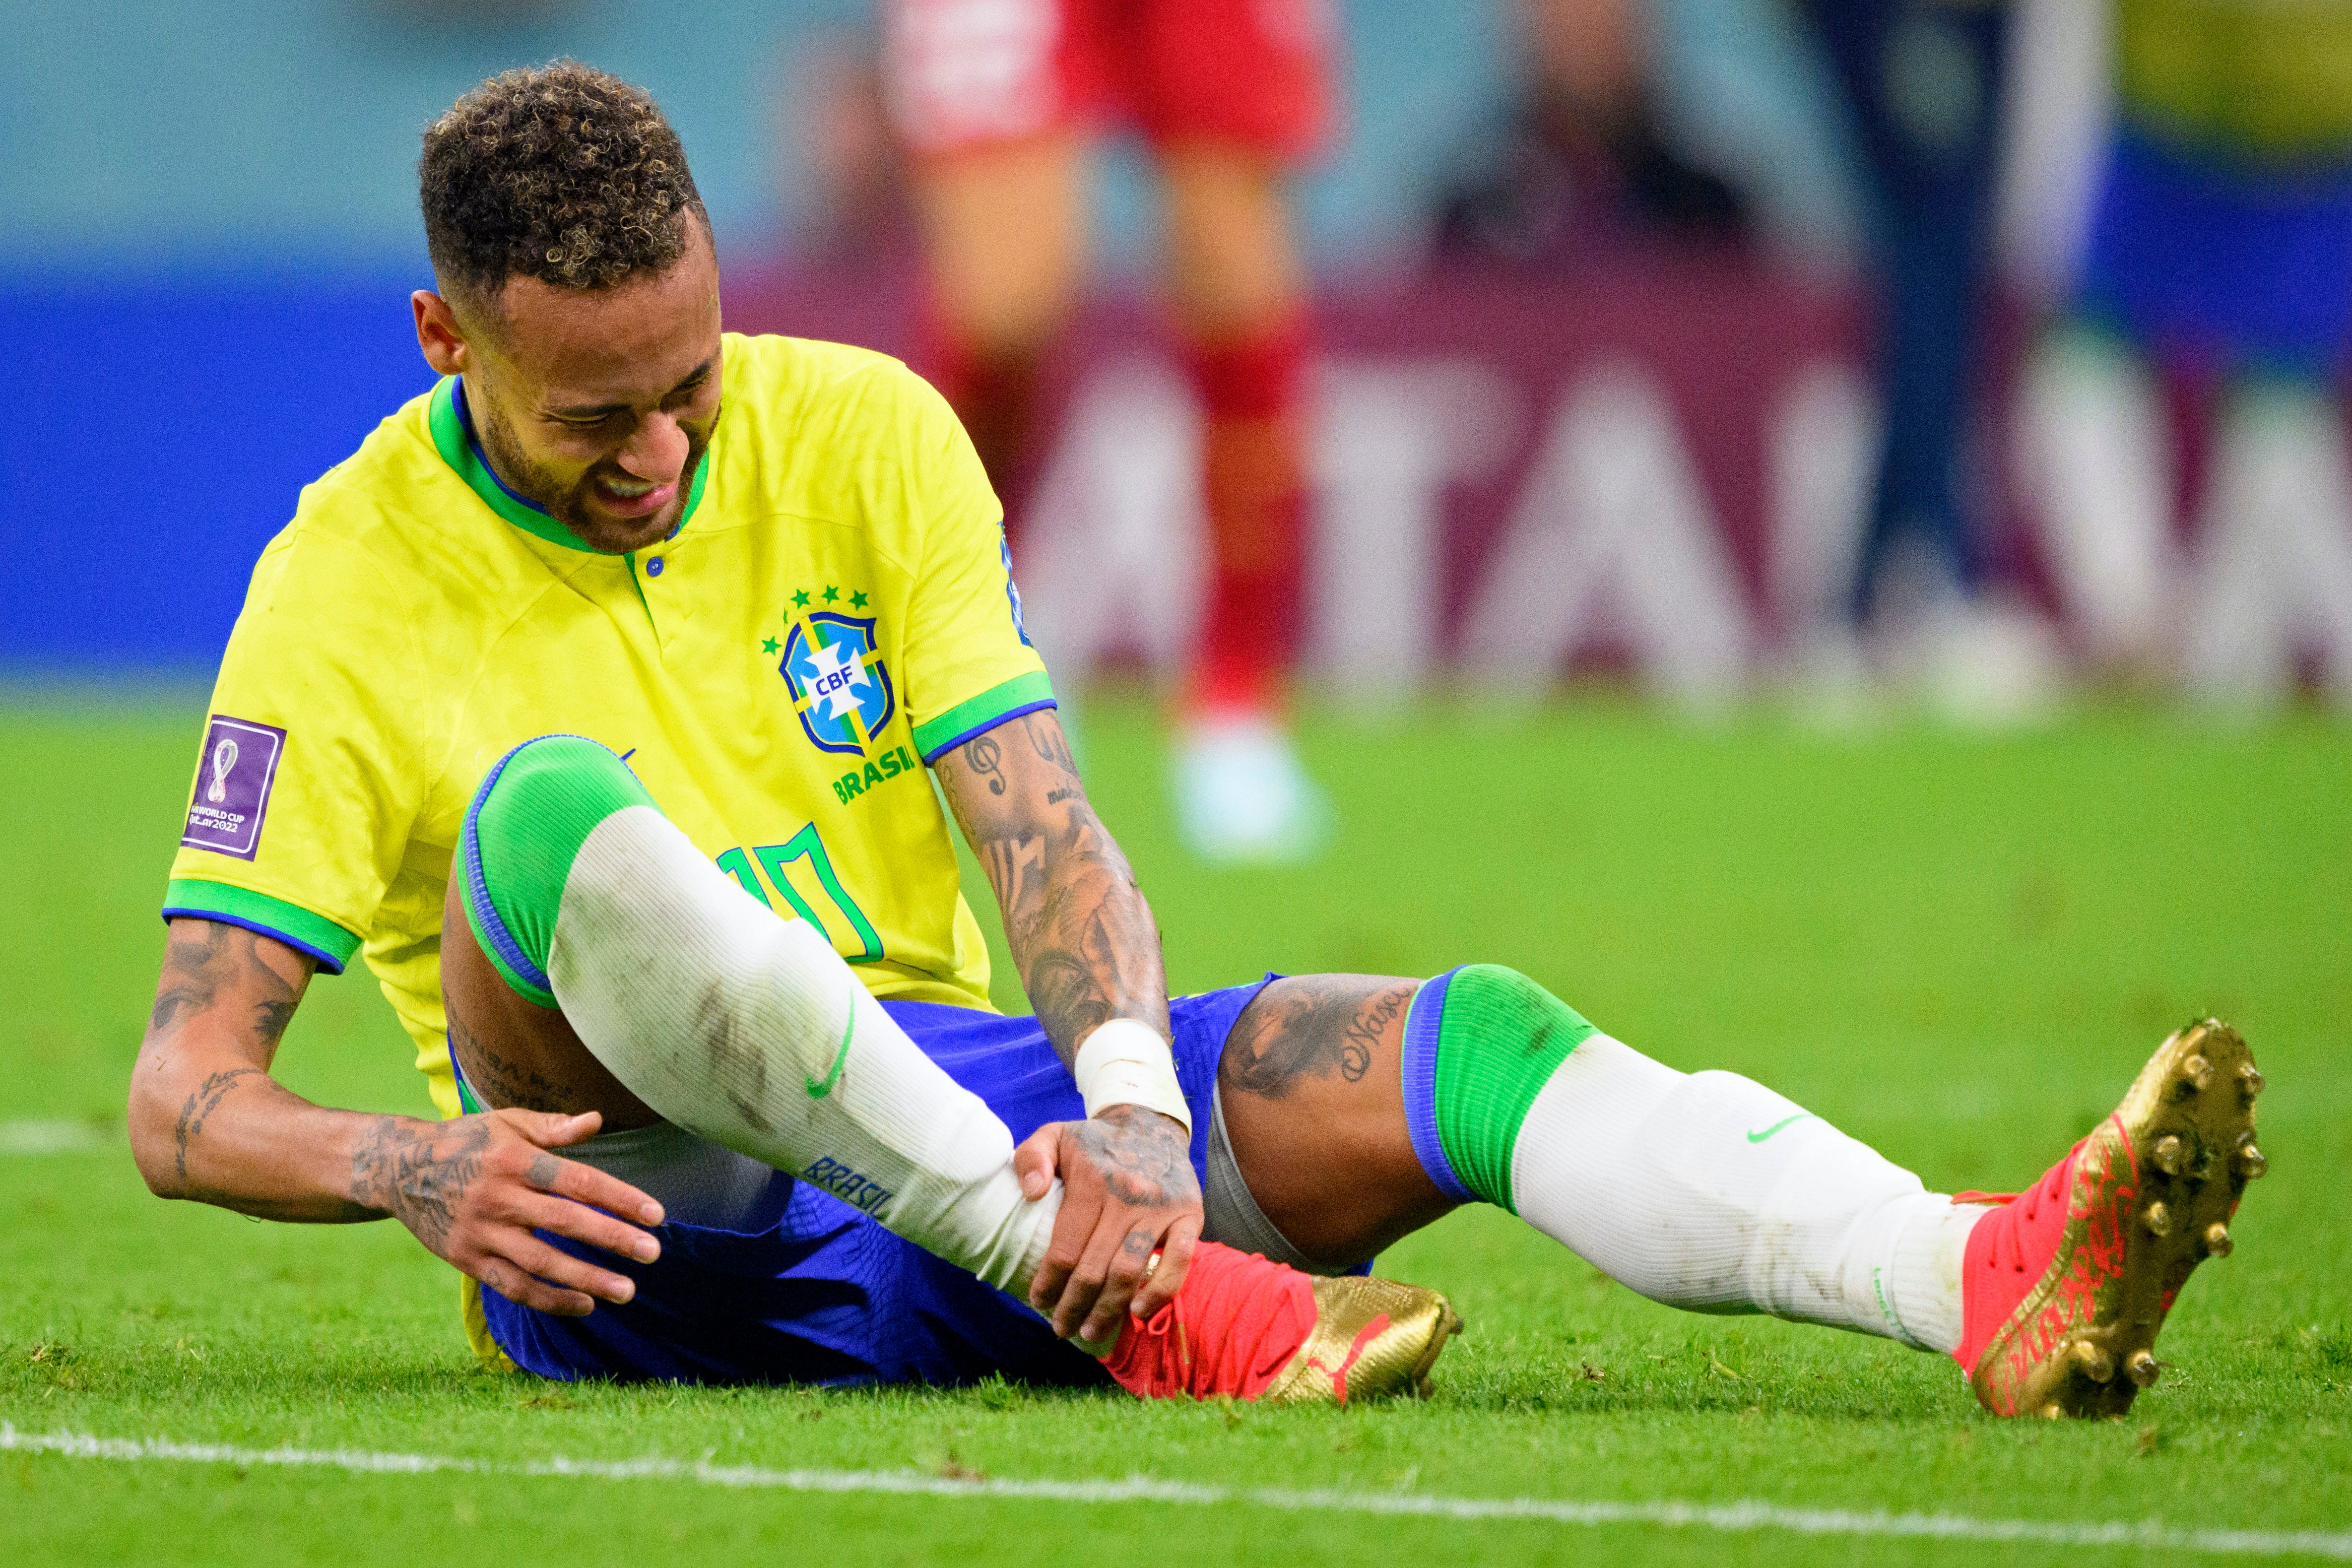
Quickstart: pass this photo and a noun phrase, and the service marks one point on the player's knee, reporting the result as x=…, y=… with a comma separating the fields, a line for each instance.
x=1499, y=1035
x=1499, y=1013
x=547, y=774
x=528, y=819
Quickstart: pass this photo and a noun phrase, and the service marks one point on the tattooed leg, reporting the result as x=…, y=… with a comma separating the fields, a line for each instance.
x=1706, y=1191
x=1314, y=1102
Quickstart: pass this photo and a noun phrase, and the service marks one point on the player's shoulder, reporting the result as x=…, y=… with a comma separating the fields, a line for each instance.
x=771, y=365
x=347, y=515
x=396, y=489
x=835, y=393
x=832, y=433
x=392, y=534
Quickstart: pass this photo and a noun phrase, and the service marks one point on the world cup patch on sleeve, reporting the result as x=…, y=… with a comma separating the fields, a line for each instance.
x=233, y=780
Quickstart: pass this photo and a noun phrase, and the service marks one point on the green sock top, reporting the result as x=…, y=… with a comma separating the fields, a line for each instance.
x=1500, y=1039
x=527, y=820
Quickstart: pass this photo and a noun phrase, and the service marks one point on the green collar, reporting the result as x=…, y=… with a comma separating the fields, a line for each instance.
x=454, y=441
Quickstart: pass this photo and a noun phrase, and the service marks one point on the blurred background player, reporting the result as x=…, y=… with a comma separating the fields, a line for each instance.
x=1588, y=160
x=1924, y=82
x=2220, y=248
x=993, y=100
x=846, y=184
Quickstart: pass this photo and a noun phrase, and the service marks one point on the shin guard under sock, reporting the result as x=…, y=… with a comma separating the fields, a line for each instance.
x=742, y=1027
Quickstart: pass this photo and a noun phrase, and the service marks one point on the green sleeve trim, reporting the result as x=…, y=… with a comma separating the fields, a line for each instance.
x=292, y=924
x=977, y=715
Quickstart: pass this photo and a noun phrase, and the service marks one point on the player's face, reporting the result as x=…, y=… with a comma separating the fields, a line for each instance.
x=599, y=405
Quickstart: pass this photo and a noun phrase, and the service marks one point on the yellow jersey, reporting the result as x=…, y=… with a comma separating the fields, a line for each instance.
x=835, y=611
x=2269, y=81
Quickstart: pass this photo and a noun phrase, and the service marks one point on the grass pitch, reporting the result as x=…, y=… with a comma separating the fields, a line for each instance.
x=1959, y=948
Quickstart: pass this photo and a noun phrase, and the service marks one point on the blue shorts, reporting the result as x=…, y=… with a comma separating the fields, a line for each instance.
x=2242, y=269
x=823, y=1294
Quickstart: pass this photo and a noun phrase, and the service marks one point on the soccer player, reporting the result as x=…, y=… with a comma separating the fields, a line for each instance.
x=594, y=697
x=991, y=99
x=2222, y=239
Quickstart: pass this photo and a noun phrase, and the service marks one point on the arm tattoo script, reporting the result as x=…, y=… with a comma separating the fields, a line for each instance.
x=1081, y=933
x=201, y=1105
x=504, y=1081
x=191, y=974
x=418, y=1170
x=239, y=990
x=1314, y=1025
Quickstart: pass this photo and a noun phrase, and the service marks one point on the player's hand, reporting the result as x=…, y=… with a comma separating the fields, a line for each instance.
x=473, y=1189
x=1128, y=1192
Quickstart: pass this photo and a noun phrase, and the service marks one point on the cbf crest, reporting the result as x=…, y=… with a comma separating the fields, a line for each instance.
x=839, y=684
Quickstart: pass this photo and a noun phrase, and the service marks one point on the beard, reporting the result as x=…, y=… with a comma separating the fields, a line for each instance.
x=567, y=503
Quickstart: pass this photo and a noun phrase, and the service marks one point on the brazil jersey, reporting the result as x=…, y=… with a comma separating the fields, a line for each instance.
x=2267, y=81
x=833, y=612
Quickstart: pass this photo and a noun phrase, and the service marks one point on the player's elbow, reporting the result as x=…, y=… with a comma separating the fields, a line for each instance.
x=149, y=1120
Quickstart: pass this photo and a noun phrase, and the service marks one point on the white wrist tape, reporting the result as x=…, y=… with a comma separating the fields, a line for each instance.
x=1124, y=1062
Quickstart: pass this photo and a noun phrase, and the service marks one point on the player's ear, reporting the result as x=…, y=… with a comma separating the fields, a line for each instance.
x=438, y=333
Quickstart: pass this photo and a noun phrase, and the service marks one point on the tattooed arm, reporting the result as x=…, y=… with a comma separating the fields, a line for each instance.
x=1088, y=949
x=1080, y=932
x=208, y=1122
x=202, y=1090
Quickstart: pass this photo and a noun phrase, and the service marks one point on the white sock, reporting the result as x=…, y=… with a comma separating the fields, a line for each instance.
x=1707, y=1191
x=731, y=1022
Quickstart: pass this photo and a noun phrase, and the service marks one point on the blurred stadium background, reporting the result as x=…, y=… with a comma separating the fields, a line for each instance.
x=1596, y=400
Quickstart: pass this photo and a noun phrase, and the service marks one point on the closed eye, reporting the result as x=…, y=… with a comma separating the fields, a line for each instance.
x=688, y=389
x=579, y=419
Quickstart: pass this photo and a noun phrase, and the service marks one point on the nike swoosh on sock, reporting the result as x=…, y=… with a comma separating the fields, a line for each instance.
x=1777, y=1126
x=819, y=1090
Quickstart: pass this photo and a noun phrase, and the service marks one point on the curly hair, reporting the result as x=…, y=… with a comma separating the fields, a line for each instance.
x=561, y=173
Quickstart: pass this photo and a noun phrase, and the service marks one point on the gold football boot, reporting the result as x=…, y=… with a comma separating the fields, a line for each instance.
x=2065, y=1286
x=1372, y=1338
x=1243, y=1327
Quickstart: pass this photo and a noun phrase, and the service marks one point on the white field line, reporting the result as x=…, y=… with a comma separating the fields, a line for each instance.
x=1737, y=1517
x=51, y=1137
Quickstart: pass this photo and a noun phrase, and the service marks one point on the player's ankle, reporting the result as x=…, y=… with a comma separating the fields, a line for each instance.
x=1920, y=1289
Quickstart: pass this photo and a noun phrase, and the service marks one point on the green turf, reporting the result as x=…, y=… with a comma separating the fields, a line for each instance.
x=1957, y=948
